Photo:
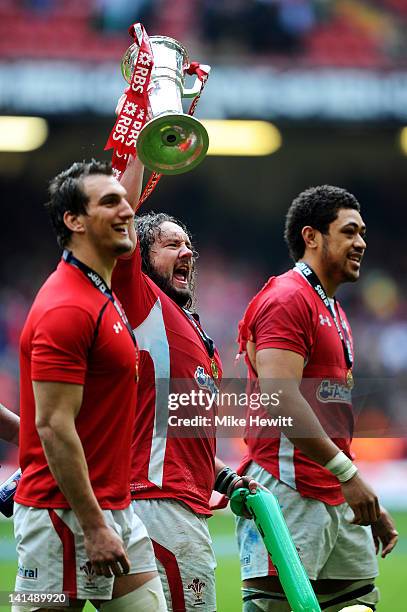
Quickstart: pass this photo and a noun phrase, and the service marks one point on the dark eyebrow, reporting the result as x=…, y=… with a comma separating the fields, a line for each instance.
x=109, y=197
x=354, y=226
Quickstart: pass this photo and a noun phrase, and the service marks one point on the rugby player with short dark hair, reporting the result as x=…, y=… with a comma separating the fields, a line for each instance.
x=75, y=530
x=295, y=335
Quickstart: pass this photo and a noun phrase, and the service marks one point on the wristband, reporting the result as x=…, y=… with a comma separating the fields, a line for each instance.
x=226, y=480
x=341, y=467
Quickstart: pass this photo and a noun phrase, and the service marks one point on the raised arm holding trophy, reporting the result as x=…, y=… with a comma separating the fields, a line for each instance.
x=151, y=123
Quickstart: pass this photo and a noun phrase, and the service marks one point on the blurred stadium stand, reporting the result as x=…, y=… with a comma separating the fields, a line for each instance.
x=331, y=74
x=316, y=32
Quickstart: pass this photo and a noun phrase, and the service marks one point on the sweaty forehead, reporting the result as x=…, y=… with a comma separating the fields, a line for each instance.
x=172, y=231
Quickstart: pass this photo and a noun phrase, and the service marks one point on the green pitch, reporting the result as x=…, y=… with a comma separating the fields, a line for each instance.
x=391, y=582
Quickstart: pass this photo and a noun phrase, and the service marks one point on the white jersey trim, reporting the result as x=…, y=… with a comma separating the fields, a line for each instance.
x=152, y=337
x=286, y=462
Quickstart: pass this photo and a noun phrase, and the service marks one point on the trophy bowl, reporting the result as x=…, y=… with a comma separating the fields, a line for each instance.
x=171, y=142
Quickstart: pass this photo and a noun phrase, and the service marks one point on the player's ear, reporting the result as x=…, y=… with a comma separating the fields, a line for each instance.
x=74, y=222
x=311, y=237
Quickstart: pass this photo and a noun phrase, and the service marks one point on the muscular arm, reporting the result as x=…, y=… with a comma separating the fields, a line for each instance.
x=9, y=425
x=219, y=465
x=286, y=367
x=132, y=181
x=57, y=405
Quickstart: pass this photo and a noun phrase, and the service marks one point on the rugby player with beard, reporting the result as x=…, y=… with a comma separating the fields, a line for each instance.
x=172, y=476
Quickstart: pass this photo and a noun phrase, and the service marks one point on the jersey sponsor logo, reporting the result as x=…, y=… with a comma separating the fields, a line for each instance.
x=197, y=587
x=28, y=573
x=333, y=392
x=205, y=381
x=90, y=575
x=118, y=327
x=324, y=320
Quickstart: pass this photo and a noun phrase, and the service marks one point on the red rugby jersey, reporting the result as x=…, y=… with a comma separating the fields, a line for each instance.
x=288, y=314
x=172, y=352
x=74, y=334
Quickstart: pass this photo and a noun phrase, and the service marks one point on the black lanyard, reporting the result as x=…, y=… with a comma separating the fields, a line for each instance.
x=315, y=283
x=208, y=342
x=98, y=282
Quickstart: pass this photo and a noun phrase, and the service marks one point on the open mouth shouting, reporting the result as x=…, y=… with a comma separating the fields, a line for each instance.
x=181, y=275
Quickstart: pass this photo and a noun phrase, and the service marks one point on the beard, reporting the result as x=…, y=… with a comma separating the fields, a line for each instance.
x=182, y=297
x=336, y=269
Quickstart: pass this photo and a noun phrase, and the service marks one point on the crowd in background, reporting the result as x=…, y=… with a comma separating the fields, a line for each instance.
x=365, y=33
x=377, y=309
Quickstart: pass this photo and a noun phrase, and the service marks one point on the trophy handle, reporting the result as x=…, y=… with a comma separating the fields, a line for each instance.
x=197, y=86
x=193, y=91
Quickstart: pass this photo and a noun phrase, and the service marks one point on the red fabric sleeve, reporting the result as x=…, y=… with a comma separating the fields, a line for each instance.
x=128, y=283
x=60, y=345
x=284, y=323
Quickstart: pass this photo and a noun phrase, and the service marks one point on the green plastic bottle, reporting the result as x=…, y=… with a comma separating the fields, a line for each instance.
x=269, y=520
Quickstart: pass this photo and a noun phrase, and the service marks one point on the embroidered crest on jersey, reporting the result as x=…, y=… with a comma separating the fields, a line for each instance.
x=90, y=575
x=333, y=392
x=197, y=588
x=205, y=381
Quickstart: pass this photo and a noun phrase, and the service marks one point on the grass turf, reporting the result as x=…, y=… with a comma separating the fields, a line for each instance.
x=391, y=582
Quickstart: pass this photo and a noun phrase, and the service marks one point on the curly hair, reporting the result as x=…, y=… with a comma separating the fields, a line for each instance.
x=148, y=228
x=67, y=194
x=317, y=207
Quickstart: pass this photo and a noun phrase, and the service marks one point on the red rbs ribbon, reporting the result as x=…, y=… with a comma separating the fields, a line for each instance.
x=202, y=72
x=133, y=115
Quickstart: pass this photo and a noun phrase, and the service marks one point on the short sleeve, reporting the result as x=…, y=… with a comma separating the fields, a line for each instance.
x=284, y=323
x=60, y=345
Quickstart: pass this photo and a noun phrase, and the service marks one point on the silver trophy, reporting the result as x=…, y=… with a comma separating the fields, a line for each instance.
x=171, y=142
